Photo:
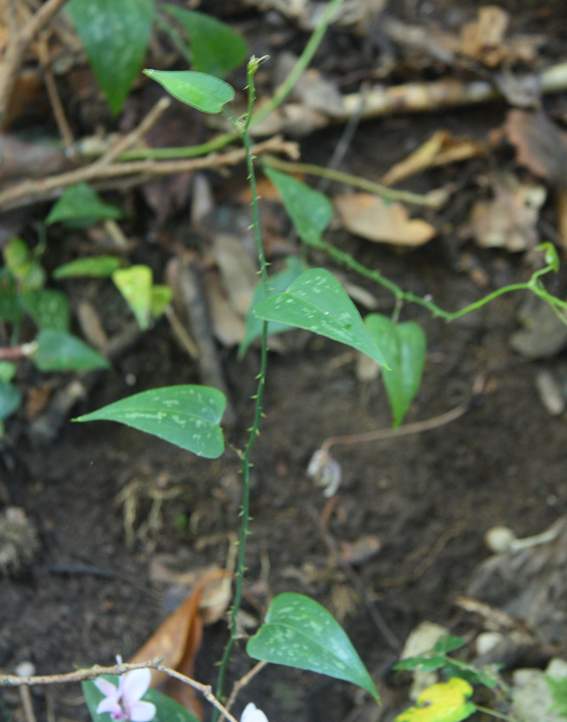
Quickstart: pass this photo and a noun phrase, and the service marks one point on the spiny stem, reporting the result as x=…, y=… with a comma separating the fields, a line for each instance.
x=254, y=430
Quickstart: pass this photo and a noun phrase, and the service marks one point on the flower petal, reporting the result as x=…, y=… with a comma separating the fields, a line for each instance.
x=253, y=714
x=107, y=688
x=134, y=685
x=142, y=712
x=108, y=704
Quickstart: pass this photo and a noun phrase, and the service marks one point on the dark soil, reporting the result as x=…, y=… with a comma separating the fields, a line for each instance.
x=429, y=497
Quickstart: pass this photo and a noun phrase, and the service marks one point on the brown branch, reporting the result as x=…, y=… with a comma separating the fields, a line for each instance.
x=80, y=675
x=243, y=681
x=18, y=44
x=30, y=191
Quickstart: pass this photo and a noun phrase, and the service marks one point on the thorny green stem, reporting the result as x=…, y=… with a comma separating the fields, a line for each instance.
x=222, y=140
x=254, y=430
x=534, y=285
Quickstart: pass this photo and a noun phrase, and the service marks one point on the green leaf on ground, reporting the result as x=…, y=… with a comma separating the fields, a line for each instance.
x=404, y=345
x=276, y=284
x=317, y=302
x=47, y=308
x=10, y=399
x=443, y=702
x=10, y=309
x=160, y=300
x=23, y=265
x=167, y=709
x=59, y=351
x=199, y=90
x=7, y=371
x=558, y=688
x=88, y=267
x=216, y=48
x=81, y=203
x=299, y=632
x=135, y=284
x=310, y=211
x=186, y=416
x=115, y=35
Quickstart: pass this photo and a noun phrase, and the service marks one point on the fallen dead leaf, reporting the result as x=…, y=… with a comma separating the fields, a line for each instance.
x=237, y=269
x=540, y=145
x=509, y=219
x=440, y=149
x=368, y=216
x=228, y=325
x=177, y=641
x=484, y=39
x=360, y=550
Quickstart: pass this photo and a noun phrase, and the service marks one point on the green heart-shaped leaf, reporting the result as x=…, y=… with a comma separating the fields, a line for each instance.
x=404, y=345
x=299, y=632
x=317, y=302
x=59, y=351
x=115, y=34
x=199, y=90
x=186, y=416
x=215, y=47
x=81, y=203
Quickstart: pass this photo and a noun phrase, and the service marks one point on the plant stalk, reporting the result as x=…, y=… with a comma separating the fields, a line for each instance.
x=254, y=430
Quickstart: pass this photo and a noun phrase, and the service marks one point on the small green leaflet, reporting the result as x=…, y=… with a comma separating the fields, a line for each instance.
x=115, y=34
x=23, y=264
x=59, y=351
x=186, y=416
x=310, y=211
x=160, y=300
x=47, y=308
x=81, y=203
x=276, y=284
x=215, y=47
x=199, y=90
x=7, y=371
x=10, y=309
x=558, y=688
x=404, y=345
x=10, y=399
x=299, y=632
x=89, y=267
x=317, y=302
x=135, y=284
x=167, y=709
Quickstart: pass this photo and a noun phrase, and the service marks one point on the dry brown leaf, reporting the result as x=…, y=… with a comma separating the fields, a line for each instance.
x=509, y=219
x=228, y=325
x=483, y=38
x=540, y=145
x=441, y=148
x=360, y=550
x=178, y=639
x=237, y=270
x=561, y=205
x=370, y=217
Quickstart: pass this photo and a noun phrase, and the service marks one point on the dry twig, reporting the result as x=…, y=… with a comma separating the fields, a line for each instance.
x=30, y=191
x=80, y=675
x=19, y=41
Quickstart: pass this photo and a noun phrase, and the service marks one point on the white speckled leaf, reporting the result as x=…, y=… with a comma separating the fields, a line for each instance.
x=299, y=632
x=317, y=302
x=186, y=416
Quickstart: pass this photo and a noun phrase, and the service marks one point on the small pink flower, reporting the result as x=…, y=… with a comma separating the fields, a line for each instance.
x=252, y=714
x=123, y=702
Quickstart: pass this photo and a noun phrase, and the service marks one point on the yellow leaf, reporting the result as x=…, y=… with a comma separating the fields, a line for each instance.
x=443, y=702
